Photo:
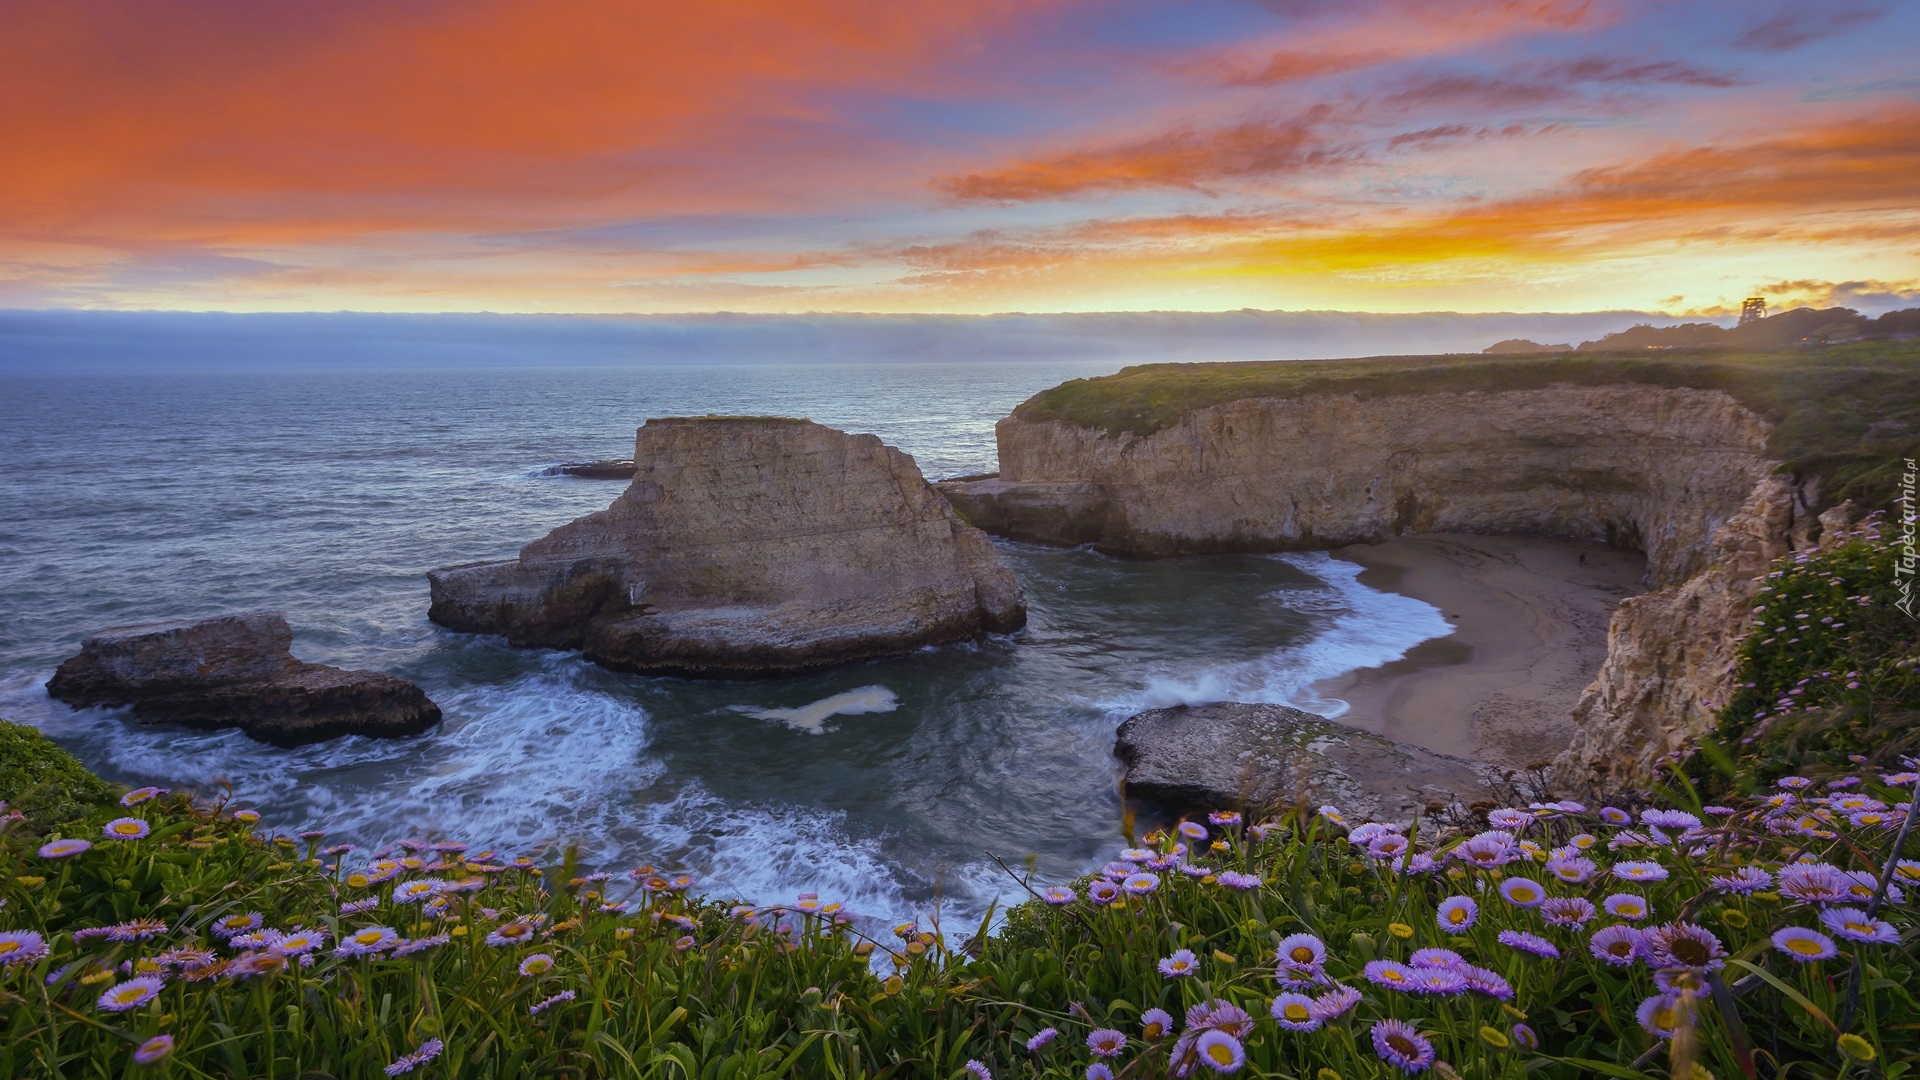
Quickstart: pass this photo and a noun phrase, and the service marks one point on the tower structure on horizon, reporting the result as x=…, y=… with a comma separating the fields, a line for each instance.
x=1753, y=309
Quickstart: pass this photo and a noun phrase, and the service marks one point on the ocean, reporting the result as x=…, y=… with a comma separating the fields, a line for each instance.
x=128, y=497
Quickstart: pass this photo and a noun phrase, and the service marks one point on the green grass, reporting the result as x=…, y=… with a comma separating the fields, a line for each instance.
x=1846, y=414
x=44, y=782
x=628, y=976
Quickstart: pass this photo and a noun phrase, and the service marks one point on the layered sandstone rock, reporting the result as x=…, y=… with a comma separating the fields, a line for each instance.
x=1649, y=467
x=1227, y=755
x=237, y=671
x=746, y=547
x=1671, y=653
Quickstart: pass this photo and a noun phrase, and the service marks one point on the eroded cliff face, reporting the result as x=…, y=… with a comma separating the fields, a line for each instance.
x=1671, y=653
x=1649, y=467
x=1681, y=473
x=746, y=547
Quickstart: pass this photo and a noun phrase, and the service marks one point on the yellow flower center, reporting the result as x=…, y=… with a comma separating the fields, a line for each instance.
x=1221, y=1053
x=1457, y=916
x=1297, y=1011
x=1523, y=894
x=1804, y=946
x=368, y=937
x=9, y=947
x=1302, y=955
x=1153, y=1031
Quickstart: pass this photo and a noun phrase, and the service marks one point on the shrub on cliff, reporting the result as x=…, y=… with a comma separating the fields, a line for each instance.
x=1562, y=942
x=1829, y=678
x=43, y=782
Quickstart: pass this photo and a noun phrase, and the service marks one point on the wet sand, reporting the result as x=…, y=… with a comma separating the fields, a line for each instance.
x=1530, y=630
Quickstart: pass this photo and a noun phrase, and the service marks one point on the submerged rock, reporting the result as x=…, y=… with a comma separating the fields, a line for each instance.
x=237, y=671
x=614, y=469
x=746, y=547
x=1231, y=755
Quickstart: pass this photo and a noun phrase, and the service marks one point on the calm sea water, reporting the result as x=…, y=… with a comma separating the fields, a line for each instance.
x=138, y=497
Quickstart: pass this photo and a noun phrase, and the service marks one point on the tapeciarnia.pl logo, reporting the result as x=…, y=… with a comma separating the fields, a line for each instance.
x=1903, y=567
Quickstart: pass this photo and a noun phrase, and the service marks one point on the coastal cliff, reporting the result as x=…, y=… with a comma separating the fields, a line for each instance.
x=1654, y=468
x=1711, y=465
x=745, y=547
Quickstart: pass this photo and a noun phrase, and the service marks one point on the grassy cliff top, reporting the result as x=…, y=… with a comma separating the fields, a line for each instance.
x=1846, y=413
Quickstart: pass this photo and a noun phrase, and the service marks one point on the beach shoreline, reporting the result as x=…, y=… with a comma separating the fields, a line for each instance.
x=1530, y=631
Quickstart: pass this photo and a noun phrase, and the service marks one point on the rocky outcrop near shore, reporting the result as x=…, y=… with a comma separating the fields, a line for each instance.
x=746, y=547
x=1231, y=755
x=237, y=671
x=1653, y=468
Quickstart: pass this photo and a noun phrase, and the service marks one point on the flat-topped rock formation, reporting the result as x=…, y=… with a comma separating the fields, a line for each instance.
x=746, y=547
x=1649, y=467
x=1232, y=755
x=610, y=469
x=237, y=671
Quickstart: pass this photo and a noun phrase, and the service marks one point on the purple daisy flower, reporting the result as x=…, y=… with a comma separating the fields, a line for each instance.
x=1529, y=943
x=1099, y=1071
x=1389, y=973
x=544, y=1004
x=1432, y=958
x=1509, y=819
x=1663, y=1014
x=1640, y=871
x=1234, y=879
x=1387, y=846
x=1522, y=892
x=1572, y=869
x=1057, y=895
x=1224, y=818
x=21, y=947
x=1805, y=945
x=1107, y=1043
x=131, y=994
x=1439, y=980
x=1457, y=914
x=1482, y=981
x=1615, y=816
x=1854, y=925
x=153, y=1050
x=1295, y=1012
x=1683, y=945
x=1487, y=850
x=1140, y=884
x=978, y=1069
x=1626, y=906
x=1041, y=1038
x=1401, y=1046
x=1572, y=912
x=1669, y=819
x=1301, y=951
x=60, y=849
x=1180, y=965
x=126, y=828
x=1155, y=1023
x=1525, y=1036
x=1616, y=945
x=1335, y=1002
x=1193, y=830
x=1220, y=1051
x=1747, y=879
x=427, y=1052
x=1103, y=892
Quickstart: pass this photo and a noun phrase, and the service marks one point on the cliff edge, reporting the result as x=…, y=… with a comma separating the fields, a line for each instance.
x=746, y=547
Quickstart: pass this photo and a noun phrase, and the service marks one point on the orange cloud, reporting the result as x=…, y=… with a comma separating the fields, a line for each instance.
x=230, y=121
x=1181, y=159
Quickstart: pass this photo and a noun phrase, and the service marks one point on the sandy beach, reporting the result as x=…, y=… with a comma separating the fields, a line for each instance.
x=1530, y=630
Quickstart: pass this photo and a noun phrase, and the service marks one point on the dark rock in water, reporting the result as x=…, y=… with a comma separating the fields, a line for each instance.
x=237, y=671
x=594, y=470
x=1228, y=755
x=746, y=547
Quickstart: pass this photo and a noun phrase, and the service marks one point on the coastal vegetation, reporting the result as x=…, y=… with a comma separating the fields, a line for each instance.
x=1847, y=415
x=161, y=933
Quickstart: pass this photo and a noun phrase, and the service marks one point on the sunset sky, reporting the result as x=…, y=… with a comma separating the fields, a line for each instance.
x=942, y=156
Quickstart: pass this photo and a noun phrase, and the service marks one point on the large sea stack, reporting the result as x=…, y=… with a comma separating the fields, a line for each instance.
x=237, y=671
x=746, y=547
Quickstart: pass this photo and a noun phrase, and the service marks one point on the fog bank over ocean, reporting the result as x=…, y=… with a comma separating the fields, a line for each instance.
x=75, y=342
